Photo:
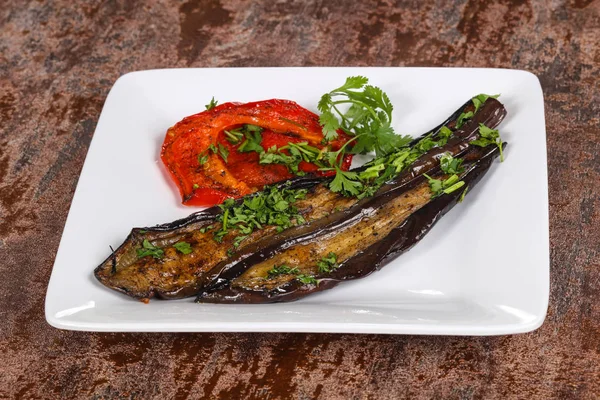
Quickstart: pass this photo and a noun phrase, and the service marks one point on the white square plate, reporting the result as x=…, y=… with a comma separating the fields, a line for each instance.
x=483, y=269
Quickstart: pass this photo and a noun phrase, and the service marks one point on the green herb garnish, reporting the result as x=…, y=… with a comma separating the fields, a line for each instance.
x=481, y=98
x=213, y=103
x=272, y=206
x=205, y=229
x=307, y=279
x=346, y=182
x=234, y=136
x=328, y=263
x=223, y=152
x=148, y=249
x=447, y=186
x=282, y=270
x=368, y=118
x=488, y=136
x=463, y=117
x=462, y=196
x=183, y=247
x=202, y=158
x=451, y=165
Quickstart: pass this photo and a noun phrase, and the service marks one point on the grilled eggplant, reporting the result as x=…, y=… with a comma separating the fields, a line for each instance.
x=360, y=244
x=210, y=264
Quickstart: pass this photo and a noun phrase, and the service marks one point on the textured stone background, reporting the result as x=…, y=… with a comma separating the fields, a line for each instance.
x=58, y=59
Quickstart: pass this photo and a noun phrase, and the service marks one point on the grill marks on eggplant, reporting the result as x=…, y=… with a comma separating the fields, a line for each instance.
x=179, y=275
x=209, y=265
x=400, y=223
x=375, y=224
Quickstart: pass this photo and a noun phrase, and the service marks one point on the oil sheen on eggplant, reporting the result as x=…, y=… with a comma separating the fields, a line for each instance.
x=389, y=225
x=179, y=275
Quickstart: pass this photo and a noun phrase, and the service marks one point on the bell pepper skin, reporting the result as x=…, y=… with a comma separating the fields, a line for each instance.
x=207, y=184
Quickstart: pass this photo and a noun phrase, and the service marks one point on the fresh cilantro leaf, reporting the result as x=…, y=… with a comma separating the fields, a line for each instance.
x=307, y=279
x=202, y=158
x=213, y=103
x=234, y=136
x=462, y=118
x=253, y=140
x=451, y=165
x=488, y=136
x=462, y=196
x=272, y=206
x=282, y=270
x=148, y=249
x=238, y=240
x=205, y=229
x=330, y=125
x=345, y=182
x=445, y=132
x=447, y=186
x=328, y=263
x=481, y=98
x=183, y=247
x=368, y=117
x=223, y=152
x=353, y=82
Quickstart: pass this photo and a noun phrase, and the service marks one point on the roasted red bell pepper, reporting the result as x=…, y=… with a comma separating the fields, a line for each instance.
x=215, y=180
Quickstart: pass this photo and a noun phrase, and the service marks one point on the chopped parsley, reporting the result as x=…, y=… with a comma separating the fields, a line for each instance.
x=463, y=117
x=205, y=229
x=292, y=154
x=183, y=247
x=477, y=102
x=451, y=165
x=213, y=103
x=282, y=270
x=446, y=186
x=272, y=206
x=481, y=98
x=233, y=136
x=462, y=196
x=328, y=263
x=307, y=279
x=488, y=136
x=253, y=136
x=202, y=158
x=148, y=249
x=286, y=270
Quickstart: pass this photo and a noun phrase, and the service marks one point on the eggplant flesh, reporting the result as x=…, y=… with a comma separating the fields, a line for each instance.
x=210, y=264
x=388, y=226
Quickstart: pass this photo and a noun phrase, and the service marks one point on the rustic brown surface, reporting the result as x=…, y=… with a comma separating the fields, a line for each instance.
x=58, y=59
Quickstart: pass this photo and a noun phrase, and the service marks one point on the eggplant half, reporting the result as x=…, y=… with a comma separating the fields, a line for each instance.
x=345, y=248
x=216, y=269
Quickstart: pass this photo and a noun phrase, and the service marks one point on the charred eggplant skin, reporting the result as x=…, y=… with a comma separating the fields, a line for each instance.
x=399, y=240
x=491, y=114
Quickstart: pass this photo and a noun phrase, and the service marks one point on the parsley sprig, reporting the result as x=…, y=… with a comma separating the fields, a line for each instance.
x=368, y=117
